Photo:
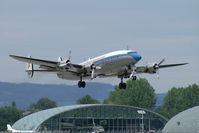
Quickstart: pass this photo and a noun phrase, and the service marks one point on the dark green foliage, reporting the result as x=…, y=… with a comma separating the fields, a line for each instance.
x=87, y=99
x=179, y=99
x=45, y=103
x=42, y=104
x=14, y=104
x=9, y=115
x=138, y=93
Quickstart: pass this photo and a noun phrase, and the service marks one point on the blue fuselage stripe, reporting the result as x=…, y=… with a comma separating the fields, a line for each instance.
x=132, y=55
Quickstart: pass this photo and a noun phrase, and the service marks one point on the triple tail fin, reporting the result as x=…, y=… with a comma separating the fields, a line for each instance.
x=9, y=128
x=30, y=69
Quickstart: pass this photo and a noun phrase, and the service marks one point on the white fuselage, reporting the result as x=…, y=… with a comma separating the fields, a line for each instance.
x=110, y=64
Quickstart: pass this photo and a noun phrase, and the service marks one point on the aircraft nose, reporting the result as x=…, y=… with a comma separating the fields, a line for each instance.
x=137, y=57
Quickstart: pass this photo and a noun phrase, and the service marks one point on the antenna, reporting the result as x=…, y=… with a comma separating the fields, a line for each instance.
x=69, y=56
x=127, y=47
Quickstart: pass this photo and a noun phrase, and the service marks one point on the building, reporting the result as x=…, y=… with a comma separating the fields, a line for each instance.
x=88, y=117
x=184, y=122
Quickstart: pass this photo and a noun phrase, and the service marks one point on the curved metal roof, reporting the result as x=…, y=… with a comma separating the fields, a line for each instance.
x=33, y=121
x=184, y=122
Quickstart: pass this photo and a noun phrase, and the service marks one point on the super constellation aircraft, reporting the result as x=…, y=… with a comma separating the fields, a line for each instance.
x=118, y=63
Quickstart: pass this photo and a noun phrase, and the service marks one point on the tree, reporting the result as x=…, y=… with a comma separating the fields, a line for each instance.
x=45, y=103
x=179, y=99
x=87, y=99
x=42, y=104
x=138, y=93
x=14, y=104
x=9, y=115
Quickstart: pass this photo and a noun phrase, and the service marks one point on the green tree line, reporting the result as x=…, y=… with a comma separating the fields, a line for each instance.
x=10, y=114
x=179, y=99
x=138, y=93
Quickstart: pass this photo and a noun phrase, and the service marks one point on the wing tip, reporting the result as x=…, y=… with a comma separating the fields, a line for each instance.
x=12, y=56
x=185, y=63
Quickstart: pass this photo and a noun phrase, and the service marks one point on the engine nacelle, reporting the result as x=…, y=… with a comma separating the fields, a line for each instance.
x=152, y=68
x=63, y=63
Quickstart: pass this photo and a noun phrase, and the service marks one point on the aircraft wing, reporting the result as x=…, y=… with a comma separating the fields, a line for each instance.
x=49, y=65
x=35, y=61
x=153, y=68
x=172, y=65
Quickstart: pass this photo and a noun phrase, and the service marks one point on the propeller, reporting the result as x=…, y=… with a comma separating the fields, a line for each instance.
x=63, y=63
x=161, y=62
x=93, y=71
x=69, y=57
x=156, y=67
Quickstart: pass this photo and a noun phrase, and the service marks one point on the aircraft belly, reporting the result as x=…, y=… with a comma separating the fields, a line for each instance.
x=112, y=67
x=108, y=68
x=69, y=76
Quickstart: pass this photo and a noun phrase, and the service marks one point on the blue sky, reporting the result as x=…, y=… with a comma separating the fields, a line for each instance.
x=47, y=29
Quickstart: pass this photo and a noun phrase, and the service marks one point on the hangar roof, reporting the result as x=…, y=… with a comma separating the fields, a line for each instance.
x=184, y=122
x=33, y=121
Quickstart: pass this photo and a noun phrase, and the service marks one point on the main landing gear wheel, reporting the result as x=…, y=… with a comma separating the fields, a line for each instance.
x=134, y=78
x=122, y=85
x=81, y=84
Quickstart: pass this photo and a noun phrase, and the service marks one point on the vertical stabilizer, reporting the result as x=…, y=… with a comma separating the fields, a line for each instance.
x=60, y=59
x=9, y=128
x=29, y=69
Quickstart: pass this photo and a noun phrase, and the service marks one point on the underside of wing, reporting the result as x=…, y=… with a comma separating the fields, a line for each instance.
x=154, y=67
x=172, y=65
x=42, y=71
x=36, y=61
x=141, y=69
x=51, y=66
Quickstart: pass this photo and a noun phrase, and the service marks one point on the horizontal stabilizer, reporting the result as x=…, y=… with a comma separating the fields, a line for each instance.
x=42, y=71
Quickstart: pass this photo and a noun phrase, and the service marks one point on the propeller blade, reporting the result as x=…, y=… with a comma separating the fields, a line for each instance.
x=161, y=62
x=92, y=73
x=69, y=56
x=158, y=74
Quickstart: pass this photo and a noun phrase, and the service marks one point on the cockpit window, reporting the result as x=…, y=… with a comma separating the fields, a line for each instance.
x=132, y=52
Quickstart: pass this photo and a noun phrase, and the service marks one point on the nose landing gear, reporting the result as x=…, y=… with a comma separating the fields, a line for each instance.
x=81, y=84
x=134, y=77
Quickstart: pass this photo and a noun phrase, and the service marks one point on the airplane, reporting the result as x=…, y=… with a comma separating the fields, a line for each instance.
x=9, y=128
x=121, y=64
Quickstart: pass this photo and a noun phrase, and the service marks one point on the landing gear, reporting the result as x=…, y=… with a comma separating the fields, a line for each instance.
x=81, y=84
x=122, y=85
x=134, y=78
